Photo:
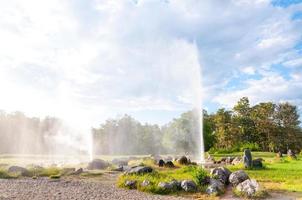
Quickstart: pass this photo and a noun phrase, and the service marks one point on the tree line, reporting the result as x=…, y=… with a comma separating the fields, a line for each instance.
x=264, y=127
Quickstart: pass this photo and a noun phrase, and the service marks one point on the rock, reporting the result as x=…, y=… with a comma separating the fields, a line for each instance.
x=291, y=154
x=169, y=164
x=238, y=177
x=20, y=170
x=119, y=169
x=175, y=184
x=183, y=160
x=215, y=187
x=139, y=170
x=130, y=184
x=221, y=173
x=210, y=159
x=236, y=161
x=161, y=163
x=145, y=183
x=247, y=158
x=97, y=164
x=78, y=171
x=188, y=186
x=248, y=187
x=257, y=163
x=120, y=161
x=165, y=186
x=229, y=160
x=279, y=154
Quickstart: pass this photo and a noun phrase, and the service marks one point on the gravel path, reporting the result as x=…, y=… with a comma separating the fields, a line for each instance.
x=46, y=189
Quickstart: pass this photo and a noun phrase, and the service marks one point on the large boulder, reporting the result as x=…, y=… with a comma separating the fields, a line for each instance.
x=248, y=187
x=139, y=170
x=161, y=163
x=169, y=164
x=188, y=186
x=19, y=170
x=257, y=163
x=215, y=187
x=221, y=173
x=97, y=164
x=183, y=160
x=247, y=158
x=238, y=177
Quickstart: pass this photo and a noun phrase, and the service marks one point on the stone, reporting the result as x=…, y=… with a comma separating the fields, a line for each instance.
x=247, y=158
x=188, y=186
x=145, y=183
x=20, y=170
x=183, y=160
x=215, y=187
x=236, y=161
x=130, y=184
x=229, y=160
x=175, y=184
x=161, y=163
x=78, y=171
x=291, y=154
x=165, y=186
x=139, y=170
x=97, y=164
x=257, y=163
x=279, y=154
x=238, y=177
x=248, y=187
x=221, y=173
x=210, y=159
x=169, y=164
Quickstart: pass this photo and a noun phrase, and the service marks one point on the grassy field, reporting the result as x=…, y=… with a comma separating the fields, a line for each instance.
x=278, y=175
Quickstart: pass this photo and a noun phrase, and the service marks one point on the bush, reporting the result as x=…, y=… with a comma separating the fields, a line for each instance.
x=236, y=148
x=199, y=175
x=250, y=145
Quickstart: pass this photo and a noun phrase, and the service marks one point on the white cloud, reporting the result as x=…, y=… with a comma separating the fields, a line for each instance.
x=102, y=58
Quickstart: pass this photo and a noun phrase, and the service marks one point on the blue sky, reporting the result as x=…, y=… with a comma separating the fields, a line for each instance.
x=86, y=61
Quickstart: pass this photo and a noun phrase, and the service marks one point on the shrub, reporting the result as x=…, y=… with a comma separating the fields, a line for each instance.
x=199, y=175
x=249, y=145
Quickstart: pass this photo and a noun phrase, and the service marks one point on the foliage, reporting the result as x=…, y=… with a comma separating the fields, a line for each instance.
x=199, y=175
x=5, y=175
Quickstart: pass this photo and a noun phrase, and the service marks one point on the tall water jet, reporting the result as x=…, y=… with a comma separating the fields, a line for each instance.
x=197, y=103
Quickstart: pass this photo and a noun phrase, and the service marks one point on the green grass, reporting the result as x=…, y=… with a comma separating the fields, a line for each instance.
x=278, y=175
x=5, y=175
x=167, y=175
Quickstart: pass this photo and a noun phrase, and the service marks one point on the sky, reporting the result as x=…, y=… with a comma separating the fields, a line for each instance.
x=87, y=61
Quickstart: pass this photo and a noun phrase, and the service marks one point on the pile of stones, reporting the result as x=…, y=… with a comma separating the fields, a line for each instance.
x=239, y=180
